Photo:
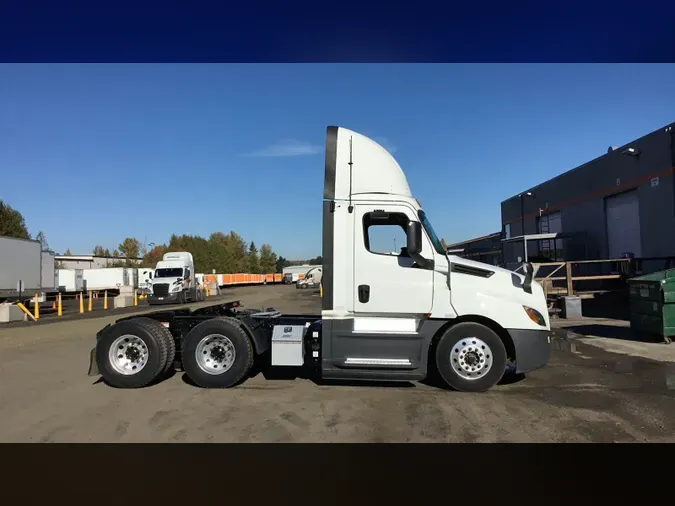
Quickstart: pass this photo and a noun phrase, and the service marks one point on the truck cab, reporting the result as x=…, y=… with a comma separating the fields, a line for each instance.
x=145, y=280
x=174, y=280
x=382, y=313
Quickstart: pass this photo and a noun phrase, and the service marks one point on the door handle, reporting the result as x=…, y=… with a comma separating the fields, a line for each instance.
x=364, y=293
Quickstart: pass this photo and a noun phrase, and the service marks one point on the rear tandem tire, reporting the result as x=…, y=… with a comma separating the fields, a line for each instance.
x=463, y=354
x=150, y=337
x=225, y=330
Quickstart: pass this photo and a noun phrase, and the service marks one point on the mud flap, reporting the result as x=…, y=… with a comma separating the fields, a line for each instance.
x=93, y=366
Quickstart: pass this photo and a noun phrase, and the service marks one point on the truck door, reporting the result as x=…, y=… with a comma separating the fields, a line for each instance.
x=386, y=280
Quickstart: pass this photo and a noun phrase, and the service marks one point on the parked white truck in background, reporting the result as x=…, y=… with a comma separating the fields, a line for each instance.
x=384, y=317
x=145, y=280
x=312, y=278
x=174, y=280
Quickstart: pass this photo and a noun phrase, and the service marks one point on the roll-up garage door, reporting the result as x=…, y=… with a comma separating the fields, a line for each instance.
x=623, y=224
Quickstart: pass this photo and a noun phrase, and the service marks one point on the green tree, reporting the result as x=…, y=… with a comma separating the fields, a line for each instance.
x=12, y=223
x=68, y=253
x=130, y=248
x=99, y=251
x=253, y=259
x=316, y=261
x=268, y=260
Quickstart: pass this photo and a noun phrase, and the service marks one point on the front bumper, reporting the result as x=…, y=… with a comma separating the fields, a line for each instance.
x=172, y=298
x=533, y=348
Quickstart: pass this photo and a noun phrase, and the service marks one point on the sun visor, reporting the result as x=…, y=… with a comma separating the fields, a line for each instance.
x=355, y=164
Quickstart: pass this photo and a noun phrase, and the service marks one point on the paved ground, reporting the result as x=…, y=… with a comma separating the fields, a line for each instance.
x=585, y=394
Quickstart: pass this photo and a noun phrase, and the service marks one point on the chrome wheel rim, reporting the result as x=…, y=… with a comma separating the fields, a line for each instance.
x=128, y=355
x=215, y=354
x=471, y=358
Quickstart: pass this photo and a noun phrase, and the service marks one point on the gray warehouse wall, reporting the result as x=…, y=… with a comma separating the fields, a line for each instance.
x=580, y=197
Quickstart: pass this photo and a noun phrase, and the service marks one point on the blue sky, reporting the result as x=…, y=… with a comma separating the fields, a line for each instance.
x=92, y=154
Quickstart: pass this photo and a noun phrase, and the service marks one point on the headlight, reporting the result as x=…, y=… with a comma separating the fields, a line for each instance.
x=176, y=288
x=535, y=316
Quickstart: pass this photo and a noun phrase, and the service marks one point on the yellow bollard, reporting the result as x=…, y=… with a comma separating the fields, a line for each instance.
x=25, y=311
x=135, y=298
x=105, y=299
x=59, y=307
x=81, y=303
x=90, y=302
x=37, y=307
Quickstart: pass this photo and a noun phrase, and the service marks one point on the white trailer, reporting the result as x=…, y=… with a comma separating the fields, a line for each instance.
x=70, y=280
x=384, y=317
x=48, y=279
x=25, y=269
x=294, y=273
x=109, y=278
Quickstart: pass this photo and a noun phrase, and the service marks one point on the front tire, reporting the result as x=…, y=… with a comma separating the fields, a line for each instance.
x=217, y=353
x=134, y=353
x=471, y=357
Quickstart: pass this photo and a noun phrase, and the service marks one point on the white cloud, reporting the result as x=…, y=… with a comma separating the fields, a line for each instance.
x=386, y=144
x=288, y=147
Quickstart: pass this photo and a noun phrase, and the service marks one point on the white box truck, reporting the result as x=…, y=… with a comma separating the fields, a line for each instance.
x=383, y=317
x=174, y=280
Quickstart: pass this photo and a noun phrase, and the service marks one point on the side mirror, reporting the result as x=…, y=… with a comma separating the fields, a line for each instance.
x=414, y=243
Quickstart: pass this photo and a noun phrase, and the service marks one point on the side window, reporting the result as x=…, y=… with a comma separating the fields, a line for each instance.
x=187, y=273
x=385, y=233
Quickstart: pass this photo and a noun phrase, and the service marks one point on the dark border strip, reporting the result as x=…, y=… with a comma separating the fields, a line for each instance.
x=331, y=162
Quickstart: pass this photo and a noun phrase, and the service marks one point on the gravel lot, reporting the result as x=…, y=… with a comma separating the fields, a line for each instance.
x=586, y=394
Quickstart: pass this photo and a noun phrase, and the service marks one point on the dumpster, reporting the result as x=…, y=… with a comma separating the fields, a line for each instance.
x=652, y=304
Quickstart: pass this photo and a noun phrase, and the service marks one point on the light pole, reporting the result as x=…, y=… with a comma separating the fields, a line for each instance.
x=522, y=196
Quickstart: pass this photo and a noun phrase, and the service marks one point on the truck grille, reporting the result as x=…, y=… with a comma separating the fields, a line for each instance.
x=161, y=290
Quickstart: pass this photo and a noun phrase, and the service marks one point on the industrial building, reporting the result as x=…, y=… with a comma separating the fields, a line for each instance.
x=88, y=261
x=620, y=204
x=486, y=249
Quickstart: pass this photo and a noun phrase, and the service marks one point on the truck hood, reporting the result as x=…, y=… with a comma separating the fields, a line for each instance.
x=492, y=287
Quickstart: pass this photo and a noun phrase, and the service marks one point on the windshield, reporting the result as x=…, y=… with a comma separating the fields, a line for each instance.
x=175, y=272
x=430, y=232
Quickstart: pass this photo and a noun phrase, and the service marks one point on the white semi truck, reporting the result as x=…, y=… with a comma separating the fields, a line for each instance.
x=383, y=317
x=174, y=280
x=312, y=278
